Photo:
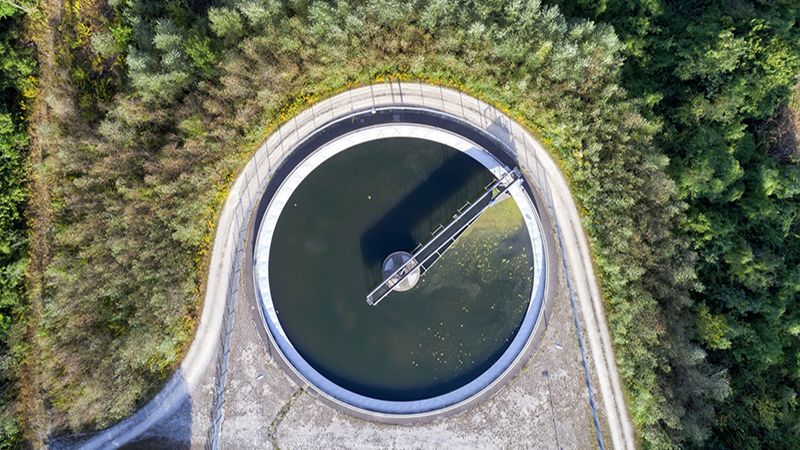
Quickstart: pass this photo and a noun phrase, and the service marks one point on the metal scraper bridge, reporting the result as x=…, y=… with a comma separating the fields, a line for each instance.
x=425, y=256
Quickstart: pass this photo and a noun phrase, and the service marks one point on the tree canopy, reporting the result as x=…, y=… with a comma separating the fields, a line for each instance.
x=16, y=69
x=716, y=75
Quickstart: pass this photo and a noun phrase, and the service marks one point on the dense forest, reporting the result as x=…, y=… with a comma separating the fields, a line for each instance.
x=672, y=122
x=717, y=77
x=17, y=66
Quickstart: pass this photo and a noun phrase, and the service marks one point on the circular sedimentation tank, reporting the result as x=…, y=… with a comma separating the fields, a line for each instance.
x=347, y=209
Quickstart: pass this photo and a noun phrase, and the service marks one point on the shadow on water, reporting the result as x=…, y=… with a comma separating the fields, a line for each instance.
x=433, y=202
x=174, y=431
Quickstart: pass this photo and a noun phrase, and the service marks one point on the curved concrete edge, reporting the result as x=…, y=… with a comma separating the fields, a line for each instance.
x=550, y=285
x=578, y=255
x=203, y=348
x=543, y=172
x=398, y=411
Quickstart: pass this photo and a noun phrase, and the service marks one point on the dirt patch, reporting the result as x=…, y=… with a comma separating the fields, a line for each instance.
x=784, y=131
x=42, y=26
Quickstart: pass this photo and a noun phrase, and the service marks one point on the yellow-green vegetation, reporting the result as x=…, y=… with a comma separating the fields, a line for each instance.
x=658, y=123
x=17, y=86
x=491, y=261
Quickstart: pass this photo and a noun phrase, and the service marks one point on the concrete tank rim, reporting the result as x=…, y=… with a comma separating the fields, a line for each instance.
x=393, y=411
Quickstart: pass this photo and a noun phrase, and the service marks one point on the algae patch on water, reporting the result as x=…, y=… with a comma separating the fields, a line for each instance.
x=491, y=261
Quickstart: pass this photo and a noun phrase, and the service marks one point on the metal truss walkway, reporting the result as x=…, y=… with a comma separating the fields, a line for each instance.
x=425, y=256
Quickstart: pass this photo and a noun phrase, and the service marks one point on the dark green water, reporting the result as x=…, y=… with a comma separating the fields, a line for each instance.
x=331, y=239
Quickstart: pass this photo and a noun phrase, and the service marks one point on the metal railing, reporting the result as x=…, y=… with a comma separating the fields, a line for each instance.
x=250, y=185
x=427, y=255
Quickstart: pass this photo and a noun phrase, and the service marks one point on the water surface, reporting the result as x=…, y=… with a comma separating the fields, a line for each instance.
x=329, y=243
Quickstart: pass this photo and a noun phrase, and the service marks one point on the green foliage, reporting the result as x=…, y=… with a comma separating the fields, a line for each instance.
x=225, y=23
x=715, y=75
x=199, y=51
x=16, y=70
x=95, y=44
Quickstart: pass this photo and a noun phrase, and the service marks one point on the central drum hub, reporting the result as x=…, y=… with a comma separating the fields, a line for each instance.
x=394, y=262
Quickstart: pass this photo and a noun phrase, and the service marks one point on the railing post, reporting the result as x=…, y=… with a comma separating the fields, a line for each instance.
x=372, y=95
x=350, y=93
x=247, y=186
x=280, y=136
x=480, y=111
x=524, y=146
x=400, y=91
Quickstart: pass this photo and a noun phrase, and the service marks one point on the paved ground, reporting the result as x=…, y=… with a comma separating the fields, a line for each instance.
x=262, y=405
